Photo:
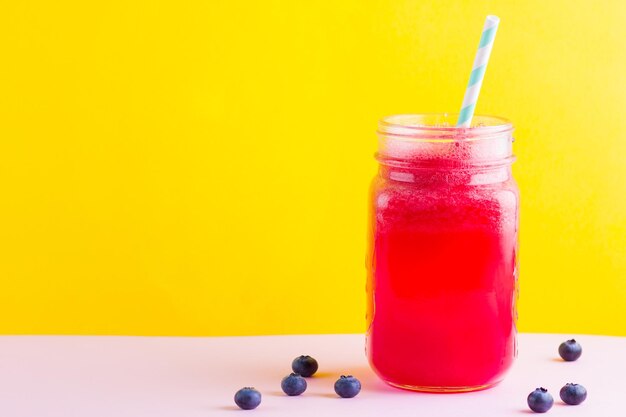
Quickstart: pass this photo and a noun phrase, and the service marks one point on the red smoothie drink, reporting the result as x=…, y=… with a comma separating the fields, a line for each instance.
x=442, y=261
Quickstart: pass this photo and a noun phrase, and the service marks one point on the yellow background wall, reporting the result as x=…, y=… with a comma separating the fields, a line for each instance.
x=201, y=167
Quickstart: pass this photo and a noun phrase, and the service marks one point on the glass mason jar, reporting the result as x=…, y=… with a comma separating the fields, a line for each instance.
x=442, y=257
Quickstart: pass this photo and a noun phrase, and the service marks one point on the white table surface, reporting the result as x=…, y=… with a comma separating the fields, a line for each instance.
x=66, y=376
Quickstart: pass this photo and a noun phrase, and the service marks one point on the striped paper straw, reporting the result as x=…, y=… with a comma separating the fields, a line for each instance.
x=478, y=71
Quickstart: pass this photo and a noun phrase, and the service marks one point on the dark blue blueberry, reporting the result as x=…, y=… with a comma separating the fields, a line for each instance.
x=570, y=350
x=293, y=384
x=573, y=394
x=248, y=398
x=540, y=400
x=347, y=386
x=304, y=365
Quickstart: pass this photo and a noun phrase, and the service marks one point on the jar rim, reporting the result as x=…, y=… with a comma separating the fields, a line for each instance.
x=438, y=127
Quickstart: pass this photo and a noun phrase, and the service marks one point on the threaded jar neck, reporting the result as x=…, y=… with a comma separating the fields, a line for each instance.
x=432, y=141
x=429, y=146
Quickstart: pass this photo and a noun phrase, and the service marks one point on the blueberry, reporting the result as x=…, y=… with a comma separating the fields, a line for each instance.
x=347, y=386
x=570, y=350
x=573, y=394
x=304, y=365
x=293, y=384
x=248, y=398
x=540, y=400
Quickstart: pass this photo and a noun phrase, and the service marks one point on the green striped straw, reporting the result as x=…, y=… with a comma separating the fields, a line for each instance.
x=478, y=71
